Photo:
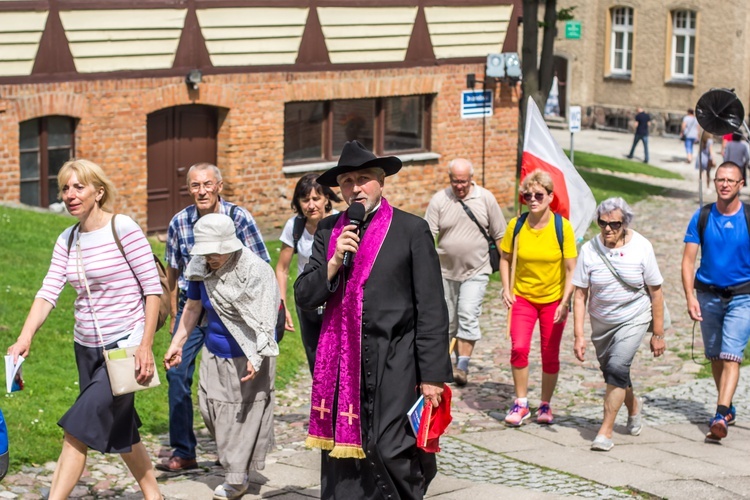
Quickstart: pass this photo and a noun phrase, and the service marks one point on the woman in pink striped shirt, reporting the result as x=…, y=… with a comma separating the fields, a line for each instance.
x=98, y=420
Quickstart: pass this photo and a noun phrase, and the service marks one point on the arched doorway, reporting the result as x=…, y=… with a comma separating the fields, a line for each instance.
x=561, y=72
x=177, y=137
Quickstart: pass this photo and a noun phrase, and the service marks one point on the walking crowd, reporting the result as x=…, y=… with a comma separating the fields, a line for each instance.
x=388, y=305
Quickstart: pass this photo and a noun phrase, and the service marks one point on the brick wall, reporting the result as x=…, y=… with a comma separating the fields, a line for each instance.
x=112, y=117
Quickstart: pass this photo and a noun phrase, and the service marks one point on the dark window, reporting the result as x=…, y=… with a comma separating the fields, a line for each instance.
x=404, y=124
x=45, y=145
x=672, y=125
x=303, y=130
x=317, y=131
x=353, y=120
x=617, y=121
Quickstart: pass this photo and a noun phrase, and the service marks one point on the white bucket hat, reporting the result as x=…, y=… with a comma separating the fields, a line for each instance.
x=215, y=233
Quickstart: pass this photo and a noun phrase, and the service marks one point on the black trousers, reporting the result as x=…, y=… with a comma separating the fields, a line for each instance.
x=310, y=323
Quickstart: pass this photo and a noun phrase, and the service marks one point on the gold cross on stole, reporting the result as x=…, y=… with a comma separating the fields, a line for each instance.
x=350, y=415
x=322, y=409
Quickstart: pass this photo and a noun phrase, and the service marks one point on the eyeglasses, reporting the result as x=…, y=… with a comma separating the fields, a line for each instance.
x=537, y=196
x=208, y=186
x=615, y=225
x=459, y=182
x=730, y=182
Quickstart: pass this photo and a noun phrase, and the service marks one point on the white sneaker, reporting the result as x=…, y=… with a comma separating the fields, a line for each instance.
x=602, y=443
x=635, y=422
x=228, y=491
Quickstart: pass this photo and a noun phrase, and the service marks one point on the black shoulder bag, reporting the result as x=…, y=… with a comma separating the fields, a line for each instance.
x=494, y=252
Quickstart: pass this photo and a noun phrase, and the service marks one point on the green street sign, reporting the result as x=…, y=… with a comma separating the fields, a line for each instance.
x=573, y=30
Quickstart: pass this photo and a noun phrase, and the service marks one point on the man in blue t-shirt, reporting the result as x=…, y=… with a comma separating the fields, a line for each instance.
x=722, y=283
x=641, y=133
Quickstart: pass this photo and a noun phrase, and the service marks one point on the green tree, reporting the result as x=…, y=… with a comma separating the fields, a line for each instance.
x=538, y=69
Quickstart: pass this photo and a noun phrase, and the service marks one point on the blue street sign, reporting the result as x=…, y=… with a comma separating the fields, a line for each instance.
x=476, y=103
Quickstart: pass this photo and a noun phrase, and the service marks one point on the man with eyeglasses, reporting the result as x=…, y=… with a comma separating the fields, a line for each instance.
x=204, y=183
x=722, y=284
x=463, y=251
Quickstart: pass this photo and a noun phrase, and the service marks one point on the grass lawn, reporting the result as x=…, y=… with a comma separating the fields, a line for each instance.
x=621, y=165
x=50, y=375
x=605, y=186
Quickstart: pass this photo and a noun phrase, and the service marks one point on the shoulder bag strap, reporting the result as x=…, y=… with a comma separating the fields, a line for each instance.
x=614, y=271
x=82, y=277
x=481, y=229
x=298, y=229
x=122, y=250
x=72, y=236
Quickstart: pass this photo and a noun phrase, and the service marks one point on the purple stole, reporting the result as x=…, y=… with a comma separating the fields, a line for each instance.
x=338, y=362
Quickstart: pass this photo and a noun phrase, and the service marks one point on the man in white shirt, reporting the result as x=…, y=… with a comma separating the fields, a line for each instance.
x=464, y=256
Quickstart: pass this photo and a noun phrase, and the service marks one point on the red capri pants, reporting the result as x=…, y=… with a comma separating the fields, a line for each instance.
x=522, y=321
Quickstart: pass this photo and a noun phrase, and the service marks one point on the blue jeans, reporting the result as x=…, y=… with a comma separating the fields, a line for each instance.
x=725, y=326
x=637, y=138
x=689, y=141
x=180, y=378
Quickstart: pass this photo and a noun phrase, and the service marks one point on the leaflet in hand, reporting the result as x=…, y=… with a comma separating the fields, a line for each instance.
x=13, y=378
x=415, y=415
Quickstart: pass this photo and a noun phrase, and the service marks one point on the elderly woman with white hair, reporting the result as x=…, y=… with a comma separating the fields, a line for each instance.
x=617, y=271
x=240, y=296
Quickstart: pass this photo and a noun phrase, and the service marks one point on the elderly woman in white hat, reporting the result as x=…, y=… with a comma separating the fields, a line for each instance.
x=240, y=297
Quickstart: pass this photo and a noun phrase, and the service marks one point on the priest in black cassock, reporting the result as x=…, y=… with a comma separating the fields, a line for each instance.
x=384, y=340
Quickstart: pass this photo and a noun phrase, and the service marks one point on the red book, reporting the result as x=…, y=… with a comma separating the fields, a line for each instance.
x=433, y=423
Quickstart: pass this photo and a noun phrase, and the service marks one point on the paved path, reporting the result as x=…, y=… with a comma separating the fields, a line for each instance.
x=481, y=458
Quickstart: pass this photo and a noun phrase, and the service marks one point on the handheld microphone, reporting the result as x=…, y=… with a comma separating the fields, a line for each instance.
x=356, y=214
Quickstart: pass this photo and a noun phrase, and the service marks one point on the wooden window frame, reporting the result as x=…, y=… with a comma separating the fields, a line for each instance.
x=43, y=155
x=378, y=130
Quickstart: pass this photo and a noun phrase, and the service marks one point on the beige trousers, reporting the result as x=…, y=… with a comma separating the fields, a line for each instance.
x=239, y=415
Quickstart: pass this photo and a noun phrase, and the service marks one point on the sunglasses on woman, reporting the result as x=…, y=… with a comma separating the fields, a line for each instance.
x=615, y=225
x=537, y=196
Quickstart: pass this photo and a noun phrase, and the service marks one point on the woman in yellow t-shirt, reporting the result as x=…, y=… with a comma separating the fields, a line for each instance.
x=541, y=291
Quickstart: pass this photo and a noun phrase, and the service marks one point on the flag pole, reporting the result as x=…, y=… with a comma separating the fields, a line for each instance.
x=484, y=124
x=512, y=281
x=519, y=153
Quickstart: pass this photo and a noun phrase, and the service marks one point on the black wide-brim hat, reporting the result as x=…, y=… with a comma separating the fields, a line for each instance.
x=355, y=157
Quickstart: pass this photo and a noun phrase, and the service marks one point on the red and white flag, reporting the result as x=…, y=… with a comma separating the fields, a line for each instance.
x=573, y=198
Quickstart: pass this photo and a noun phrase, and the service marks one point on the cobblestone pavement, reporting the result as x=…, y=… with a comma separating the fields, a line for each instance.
x=671, y=393
x=466, y=461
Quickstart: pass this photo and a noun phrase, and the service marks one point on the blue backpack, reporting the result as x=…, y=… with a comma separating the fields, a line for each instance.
x=558, y=228
x=4, y=455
